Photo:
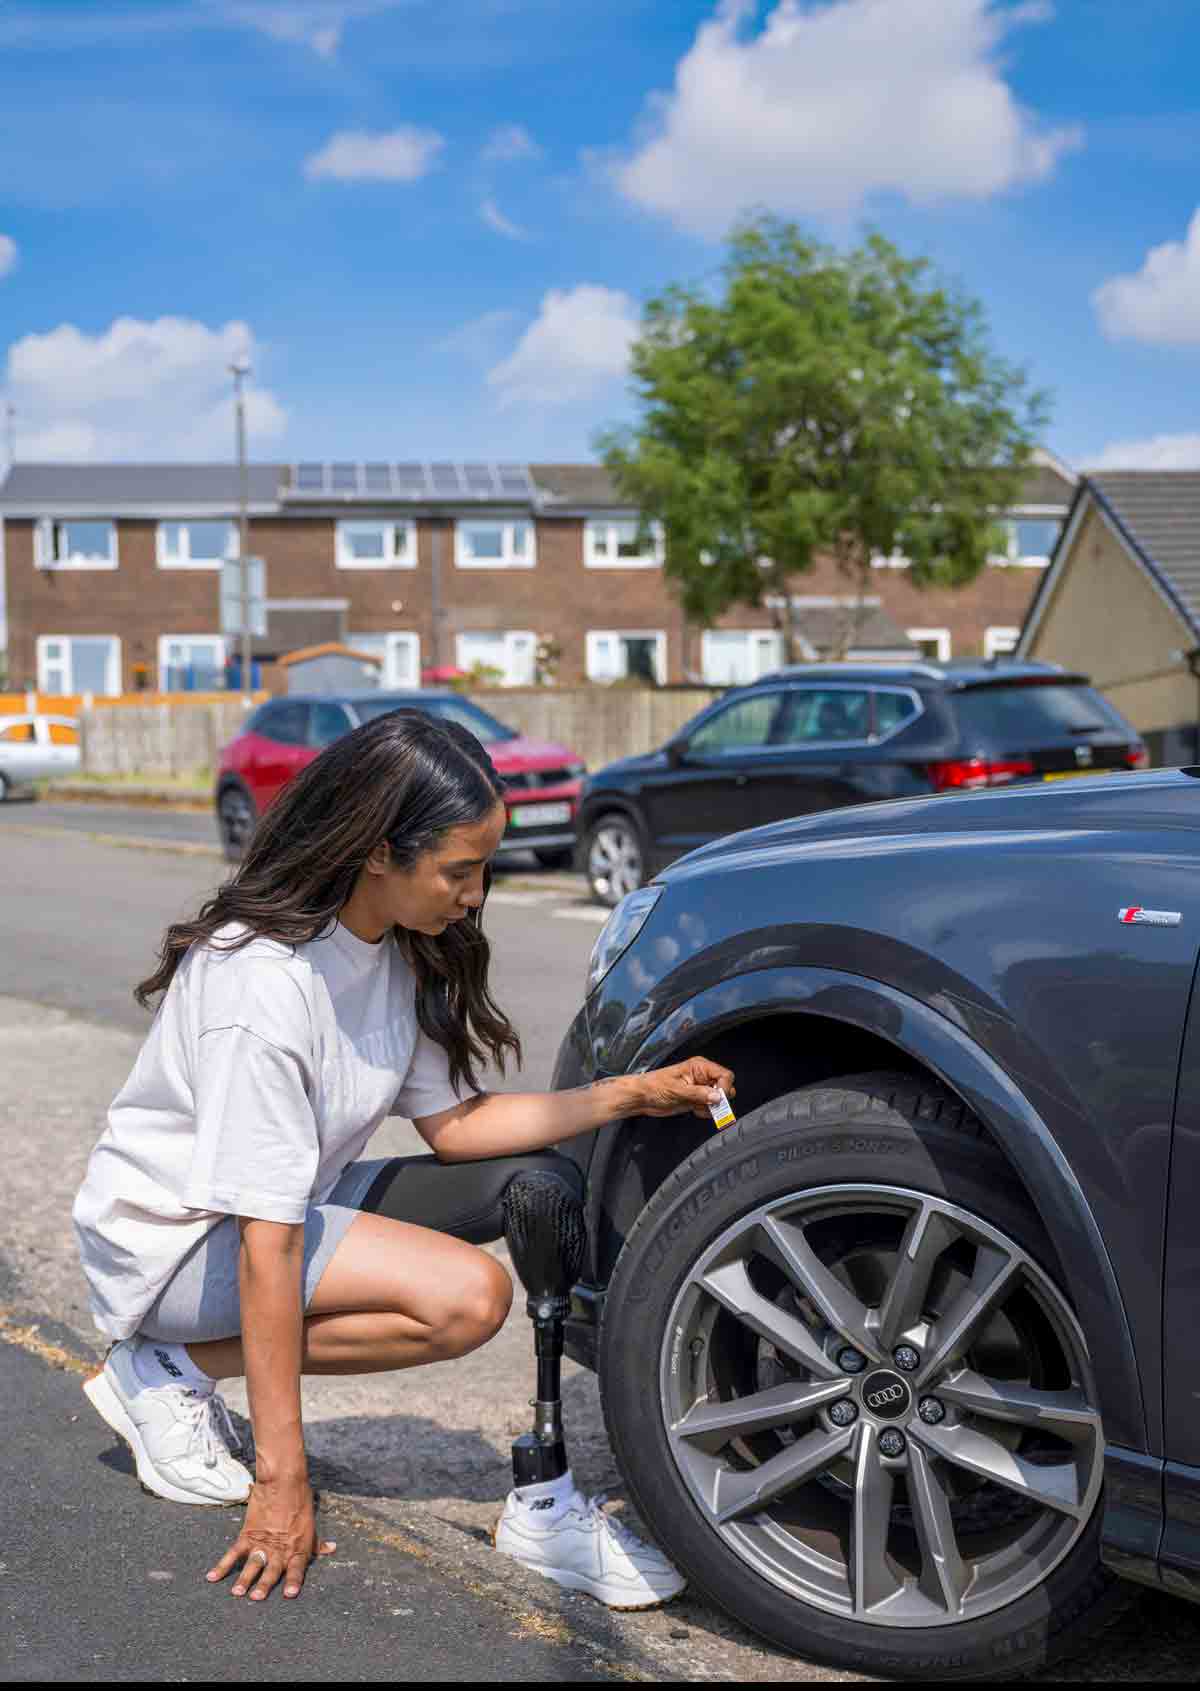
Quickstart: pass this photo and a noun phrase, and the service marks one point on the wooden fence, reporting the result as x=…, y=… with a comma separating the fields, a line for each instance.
x=183, y=734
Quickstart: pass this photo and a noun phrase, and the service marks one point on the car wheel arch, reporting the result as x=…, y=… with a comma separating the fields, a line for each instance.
x=910, y=1036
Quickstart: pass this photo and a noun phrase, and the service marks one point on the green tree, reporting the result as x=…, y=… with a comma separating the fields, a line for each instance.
x=818, y=402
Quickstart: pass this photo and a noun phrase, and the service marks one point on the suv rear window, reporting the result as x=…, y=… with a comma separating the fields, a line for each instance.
x=1036, y=713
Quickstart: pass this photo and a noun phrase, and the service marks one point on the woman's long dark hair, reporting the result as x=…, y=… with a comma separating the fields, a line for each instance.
x=406, y=778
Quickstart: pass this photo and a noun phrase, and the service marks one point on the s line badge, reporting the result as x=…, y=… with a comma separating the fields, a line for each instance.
x=1151, y=918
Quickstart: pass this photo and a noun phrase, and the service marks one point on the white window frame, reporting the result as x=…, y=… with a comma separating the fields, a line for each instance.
x=43, y=546
x=113, y=670
x=608, y=559
x=392, y=641
x=216, y=641
x=999, y=641
x=941, y=635
x=598, y=672
x=1025, y=513
x=509, y=560
x=711, y=637
x=395, y=557
x=514, y=639
x=184, y=561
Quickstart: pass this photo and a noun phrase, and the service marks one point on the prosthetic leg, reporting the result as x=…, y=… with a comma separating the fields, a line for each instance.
x=543, y=1224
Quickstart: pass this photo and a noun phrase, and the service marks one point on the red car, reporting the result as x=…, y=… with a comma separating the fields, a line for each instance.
x=542, y=779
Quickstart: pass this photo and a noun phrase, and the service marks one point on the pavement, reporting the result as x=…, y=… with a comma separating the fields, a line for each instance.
x=412, y=1467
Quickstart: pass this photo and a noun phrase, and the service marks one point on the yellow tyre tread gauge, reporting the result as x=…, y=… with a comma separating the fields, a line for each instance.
x=721, y=1112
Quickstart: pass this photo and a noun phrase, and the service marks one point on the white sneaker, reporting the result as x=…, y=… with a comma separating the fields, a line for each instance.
x=180, y=1438
x=586, y=1550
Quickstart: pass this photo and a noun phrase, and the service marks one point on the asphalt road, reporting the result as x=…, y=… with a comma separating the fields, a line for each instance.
x=412, y=1466
x=98, y=1584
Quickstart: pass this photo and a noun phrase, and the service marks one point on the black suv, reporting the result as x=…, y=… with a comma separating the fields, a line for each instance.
x=902, y=1369
x=816, y=737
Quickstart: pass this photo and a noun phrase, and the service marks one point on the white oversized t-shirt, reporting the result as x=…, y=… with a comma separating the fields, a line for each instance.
x=265, y=1073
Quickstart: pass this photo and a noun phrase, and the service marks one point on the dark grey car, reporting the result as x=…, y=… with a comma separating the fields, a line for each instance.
x=903, y=1369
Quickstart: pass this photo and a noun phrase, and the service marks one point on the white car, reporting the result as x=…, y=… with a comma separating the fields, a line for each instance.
x=32, y=747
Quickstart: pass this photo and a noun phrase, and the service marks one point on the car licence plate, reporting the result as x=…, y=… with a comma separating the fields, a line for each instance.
x=540, y=815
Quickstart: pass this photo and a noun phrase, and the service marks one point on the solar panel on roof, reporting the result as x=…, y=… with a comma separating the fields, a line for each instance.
x=377, y=478
x=310, y=478
x=410, y=478
x=514, y=478
x=445, y=479
x=344, y=478
x=479, y=478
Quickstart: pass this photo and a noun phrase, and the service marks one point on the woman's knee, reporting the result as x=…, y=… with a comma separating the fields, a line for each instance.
x=478, y=1307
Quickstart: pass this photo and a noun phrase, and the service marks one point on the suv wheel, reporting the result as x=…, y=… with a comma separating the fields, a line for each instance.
x=236, y=818
x=613, y=857
x=4, y=788
x=850, y=1398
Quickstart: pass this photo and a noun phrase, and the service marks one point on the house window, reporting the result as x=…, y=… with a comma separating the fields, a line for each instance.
x=998, y=641
x=504, y=659
x=196, y=545
x=401, y=654
x=83, y=544
x=79, y=663
x=730, y=657
x=616, y=655
x=376, y=546
x=623, y=543
x=933, y=642
x=191, y=663
x=495, y=545
x=1027, y=538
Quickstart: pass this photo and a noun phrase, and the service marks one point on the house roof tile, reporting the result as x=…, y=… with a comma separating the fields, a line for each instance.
x=1160, y=513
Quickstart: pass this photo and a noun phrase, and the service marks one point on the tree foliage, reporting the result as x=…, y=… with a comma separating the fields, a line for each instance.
x=819, y=402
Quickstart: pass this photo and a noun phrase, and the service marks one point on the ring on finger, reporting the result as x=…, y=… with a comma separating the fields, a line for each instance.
x=259, y=1556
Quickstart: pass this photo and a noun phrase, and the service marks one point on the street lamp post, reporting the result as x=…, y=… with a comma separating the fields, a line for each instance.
x=240, y=369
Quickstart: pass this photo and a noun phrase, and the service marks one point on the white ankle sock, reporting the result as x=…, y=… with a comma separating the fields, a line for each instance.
x=159, y=1364
x=550, y=1499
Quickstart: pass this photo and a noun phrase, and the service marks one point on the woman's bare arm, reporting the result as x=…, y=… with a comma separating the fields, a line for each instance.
x=278, y=1537
x=498, y=1124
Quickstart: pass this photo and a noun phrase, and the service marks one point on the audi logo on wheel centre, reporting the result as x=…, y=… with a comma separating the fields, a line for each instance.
x=886, y=1395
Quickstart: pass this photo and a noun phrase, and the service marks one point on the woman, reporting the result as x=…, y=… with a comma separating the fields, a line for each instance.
x=226, y=1224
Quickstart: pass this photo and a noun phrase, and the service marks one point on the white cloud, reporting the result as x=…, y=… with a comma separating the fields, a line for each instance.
x=510, y=142
x=495, y=219
x=1159, y=452
x=578, y=342
x=1161, y=302
x=158, y=389
x=829, y=104
x=8, y=254
x=353, y=155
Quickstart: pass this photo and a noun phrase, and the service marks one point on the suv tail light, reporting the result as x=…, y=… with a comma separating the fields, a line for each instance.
x=1137, y=757
x=969, y=772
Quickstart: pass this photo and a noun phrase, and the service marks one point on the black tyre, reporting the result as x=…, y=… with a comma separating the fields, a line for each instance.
x=5, y=788
x=560, y=858
x=850, y=1397
x=236, y=820
x=614, y=858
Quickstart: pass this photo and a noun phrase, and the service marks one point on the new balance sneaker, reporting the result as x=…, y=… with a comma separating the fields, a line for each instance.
x=587, y=1550
x=180, y=1438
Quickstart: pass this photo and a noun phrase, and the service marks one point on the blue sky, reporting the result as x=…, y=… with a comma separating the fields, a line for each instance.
x=434, y=221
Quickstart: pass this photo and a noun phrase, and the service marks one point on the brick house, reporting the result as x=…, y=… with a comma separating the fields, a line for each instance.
x=111, y=577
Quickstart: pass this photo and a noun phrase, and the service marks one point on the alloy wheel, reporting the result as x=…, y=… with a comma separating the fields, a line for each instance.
x=883, y=1405
x=614, y=862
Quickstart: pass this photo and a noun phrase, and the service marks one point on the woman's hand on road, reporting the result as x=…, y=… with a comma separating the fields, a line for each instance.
x=691, y=1085
x=277, y=1541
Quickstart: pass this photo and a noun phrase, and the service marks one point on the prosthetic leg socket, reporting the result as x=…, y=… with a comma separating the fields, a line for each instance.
x=544, y=1228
